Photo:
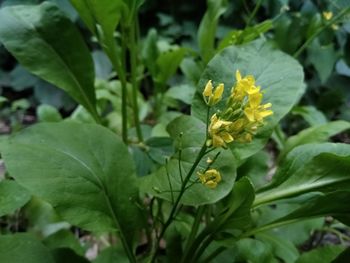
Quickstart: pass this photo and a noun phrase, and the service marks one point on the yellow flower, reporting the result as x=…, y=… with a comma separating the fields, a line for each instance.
x=210, y=97
x=218, y=130
x=243, y=114
x=327, y=15
x=210, y=178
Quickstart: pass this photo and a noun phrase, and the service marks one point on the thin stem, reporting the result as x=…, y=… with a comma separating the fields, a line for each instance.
x=170, y=185
x=252, y=15
x=178, y=199
x=195, y=226
x=135, y=84
x=320, y=30
x=205, y=244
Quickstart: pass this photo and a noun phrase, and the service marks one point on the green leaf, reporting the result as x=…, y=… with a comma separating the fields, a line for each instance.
x=282, y=248
x=319, y=133
x=182, y=92
x=150, y=51
x=207, y=28
x=47, y=113
x=47, y=44
x=310, y=114
x=19, y=248
x=100, y=15
x=84, y=171
x=12, y=197
x=279, y=75
x=254, y=251
x=238, y=205
x=309, y=168
x=192, y=138
x=330, y=204
x=343, y=257
x=323, y=59
x=321, y=255
x=167, y=64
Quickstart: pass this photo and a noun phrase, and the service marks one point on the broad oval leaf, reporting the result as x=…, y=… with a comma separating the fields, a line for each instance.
x=84, y=171
x=279, y=75
x=191, y=139
x=309, y=168
x=47, y=44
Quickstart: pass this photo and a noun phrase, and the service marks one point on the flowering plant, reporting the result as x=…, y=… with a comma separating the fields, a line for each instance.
x=151, y=184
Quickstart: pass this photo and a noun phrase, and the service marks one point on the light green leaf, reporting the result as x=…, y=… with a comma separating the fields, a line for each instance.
x=47, y=44
x=47, y=113
x=12, y=197
x=310, y=114
x=319, y=133
x=167, y=64
x=208, y=26
x=19, y=248
x=84, y=171
x=309, y=168
x=279, y=75
x=192, y=138
x=254, y=251
x=182, y=92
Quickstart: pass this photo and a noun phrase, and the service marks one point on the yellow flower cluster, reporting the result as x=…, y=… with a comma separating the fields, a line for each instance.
x=210, y=178
x=242, y=116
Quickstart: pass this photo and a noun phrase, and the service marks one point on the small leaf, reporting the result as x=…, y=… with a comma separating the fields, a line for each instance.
x=47, y=44
x=310, y=114
x=47, y=113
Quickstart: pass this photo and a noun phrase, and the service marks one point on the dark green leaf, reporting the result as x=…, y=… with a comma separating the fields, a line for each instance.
x=84, y=171
x=47, y=44
x=321, y=255
x=67, y=255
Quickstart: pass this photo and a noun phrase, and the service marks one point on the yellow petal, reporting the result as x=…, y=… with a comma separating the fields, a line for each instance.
x=267, y=105
x=238, y=75
x=255, y=99
x=208, y=90
x=218, y=92
x=327, y=15
x=249, y=112
x=226, y=137
x=217, y=141
x=265, y=113
x=211, y=184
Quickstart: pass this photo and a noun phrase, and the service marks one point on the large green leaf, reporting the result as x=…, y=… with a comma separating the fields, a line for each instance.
x=309, y=168
x=321, y=255
x=12, y=197
x=279, y=75
x=319, y=133
x=21, y=248
x=84, y=171
x=47, y=44
x=192, y=138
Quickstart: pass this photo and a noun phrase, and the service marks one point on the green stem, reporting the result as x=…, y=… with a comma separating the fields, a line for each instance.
x=109, y=48
x=135, y=84
x=320, y=30
x=195, y=227
x=178, y=199
x=255, y=10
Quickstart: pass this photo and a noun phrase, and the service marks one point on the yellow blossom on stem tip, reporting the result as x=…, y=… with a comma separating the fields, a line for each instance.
x=327, y=15
x=212, y=97
x=243, y=114
x=210, y=178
